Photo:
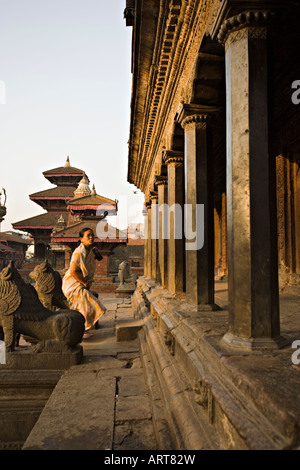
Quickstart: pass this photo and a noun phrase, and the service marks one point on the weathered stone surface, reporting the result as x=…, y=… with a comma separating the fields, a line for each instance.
x=79, y=414
x=129, y=331
x=133, y=435
x=128, y=387
x=26, y=359
x=23, y=395
x=127, y=409
x=101, y=403
x=216, y=396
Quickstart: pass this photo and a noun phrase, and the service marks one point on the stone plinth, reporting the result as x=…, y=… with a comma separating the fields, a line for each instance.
x=215, y=396
x=126, y=289
x=25, y=359
x=23, y=395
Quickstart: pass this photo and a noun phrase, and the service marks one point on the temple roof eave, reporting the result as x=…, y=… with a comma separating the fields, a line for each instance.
x=45, y=221
x=142, y=71
x=97, y=240
x=96, y=200
x=109, y=233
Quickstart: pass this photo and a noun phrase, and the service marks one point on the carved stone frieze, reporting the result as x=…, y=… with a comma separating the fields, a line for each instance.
x=204, y=397
x=170, y=342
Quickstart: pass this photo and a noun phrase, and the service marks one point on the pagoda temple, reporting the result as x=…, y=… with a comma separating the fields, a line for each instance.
x=71, y=205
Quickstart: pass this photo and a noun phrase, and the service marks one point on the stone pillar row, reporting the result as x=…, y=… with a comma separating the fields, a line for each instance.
x=251, y=196
x=251, y=186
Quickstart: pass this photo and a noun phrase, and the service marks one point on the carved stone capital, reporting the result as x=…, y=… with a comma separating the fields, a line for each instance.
x=196, y=116
x=172, y=156
x=254, y=20
x=195, y=121
x=153, y=196
x=161, y=180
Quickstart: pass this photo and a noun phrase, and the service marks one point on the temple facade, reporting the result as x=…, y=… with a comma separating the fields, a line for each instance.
x=71, y=205
x=214, y=145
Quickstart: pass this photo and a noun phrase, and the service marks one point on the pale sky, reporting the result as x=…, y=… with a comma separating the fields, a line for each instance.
x=65, y=88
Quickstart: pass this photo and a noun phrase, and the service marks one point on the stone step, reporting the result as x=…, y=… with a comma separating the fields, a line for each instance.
x=129, y=331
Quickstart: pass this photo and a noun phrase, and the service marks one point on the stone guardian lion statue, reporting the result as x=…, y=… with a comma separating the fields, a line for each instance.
x=21, y=312
x=48, y=286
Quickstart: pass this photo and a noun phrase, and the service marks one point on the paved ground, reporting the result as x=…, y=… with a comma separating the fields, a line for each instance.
x=106, y=394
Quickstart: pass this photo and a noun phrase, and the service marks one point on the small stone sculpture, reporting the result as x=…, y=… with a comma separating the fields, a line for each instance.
x=48, y=286
x=22, y=312
x=127, y=280
x=124, y=274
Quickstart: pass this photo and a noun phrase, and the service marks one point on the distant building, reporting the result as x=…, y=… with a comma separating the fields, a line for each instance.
x=135, y=231
x=133, y=252
x=71, y=205
x=13, y=247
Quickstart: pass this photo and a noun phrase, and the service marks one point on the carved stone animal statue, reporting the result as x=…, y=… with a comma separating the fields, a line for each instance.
x=124, y=273
x=21, y=312
x=48, y=286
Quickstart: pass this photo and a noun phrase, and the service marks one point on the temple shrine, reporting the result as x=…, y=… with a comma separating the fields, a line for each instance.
x=70, y=206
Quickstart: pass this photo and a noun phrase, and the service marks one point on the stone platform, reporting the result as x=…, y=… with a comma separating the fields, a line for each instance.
x=216, y=396
x=165, y=380
x=104, y=403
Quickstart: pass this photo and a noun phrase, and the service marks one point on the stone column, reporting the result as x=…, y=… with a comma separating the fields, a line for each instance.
x=251, y=187
x=148, y=248
x=218, y=246
x=162, y=186
x=176, y=254
x=224, y=235
x=145, y=213
x=199, y=200
x=154, y=236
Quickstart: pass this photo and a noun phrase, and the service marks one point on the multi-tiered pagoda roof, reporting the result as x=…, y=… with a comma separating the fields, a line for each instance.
x=68, y=205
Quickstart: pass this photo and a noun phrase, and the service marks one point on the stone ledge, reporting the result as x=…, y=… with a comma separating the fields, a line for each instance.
x=129, y=331
x=25, y=359
x=73, y=420
x=245, y=409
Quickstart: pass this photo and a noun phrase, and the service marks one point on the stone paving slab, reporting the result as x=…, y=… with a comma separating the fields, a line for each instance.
x=102, y=403
x=79, y=415
x=135, y=435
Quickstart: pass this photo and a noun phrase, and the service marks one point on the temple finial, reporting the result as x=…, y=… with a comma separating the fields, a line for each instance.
x=67, y=162
x=93, y=192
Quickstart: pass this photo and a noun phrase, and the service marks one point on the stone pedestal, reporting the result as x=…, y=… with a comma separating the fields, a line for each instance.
x=25, y=359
